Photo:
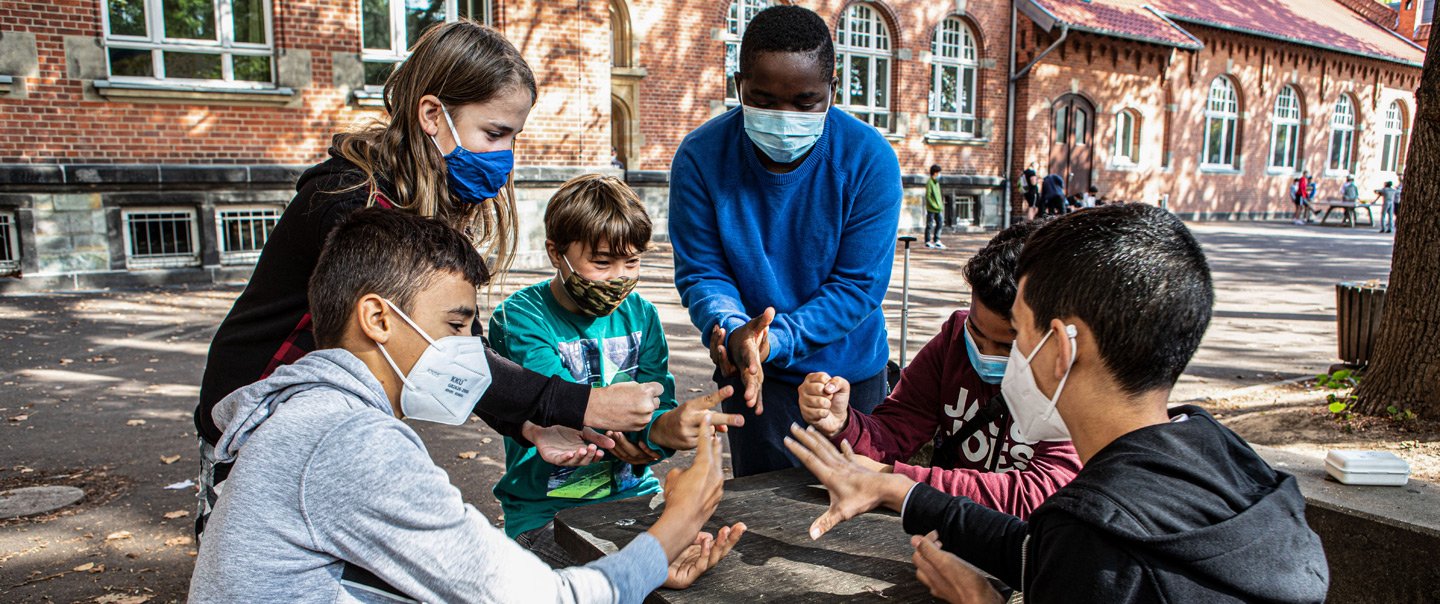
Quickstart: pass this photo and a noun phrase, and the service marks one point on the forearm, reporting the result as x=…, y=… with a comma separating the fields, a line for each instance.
x=1015, y=492
x=517, y=394
x=988, y=539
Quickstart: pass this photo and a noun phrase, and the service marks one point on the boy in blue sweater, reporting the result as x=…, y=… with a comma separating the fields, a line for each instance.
x=587, y=326
x=783, y=214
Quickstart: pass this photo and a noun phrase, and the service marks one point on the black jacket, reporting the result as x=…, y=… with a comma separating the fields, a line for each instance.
x=1179, y=512
x=267, y=313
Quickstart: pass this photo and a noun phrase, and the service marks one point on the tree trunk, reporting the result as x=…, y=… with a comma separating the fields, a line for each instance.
x=1405, y=367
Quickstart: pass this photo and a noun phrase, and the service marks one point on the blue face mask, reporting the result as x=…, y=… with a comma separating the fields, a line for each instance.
x=990, y=368
x=475, y=177
x=784, y=136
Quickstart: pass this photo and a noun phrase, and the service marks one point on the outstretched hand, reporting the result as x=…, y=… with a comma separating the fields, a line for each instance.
x=567, y=447
x=679, y=428
x=702, y=555
x=749, y=347
x=854, y=489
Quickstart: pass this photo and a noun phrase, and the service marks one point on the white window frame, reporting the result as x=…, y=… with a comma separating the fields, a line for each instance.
x=1342, y=131
x=399, y=43
x=1392, y=137
x=224, y=45
x=864, y=35
x=953, y=48
x=1222, y=104
x=267, y=214
x=1120, y=155
x=9, y=243
x=1285, y=118
x=134, y=261
x=736, y=20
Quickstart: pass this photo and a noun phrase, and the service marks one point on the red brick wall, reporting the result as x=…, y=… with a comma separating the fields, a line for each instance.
x=1116, y=74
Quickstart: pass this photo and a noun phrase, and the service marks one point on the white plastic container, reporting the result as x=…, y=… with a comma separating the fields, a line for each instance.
x=1370, y=468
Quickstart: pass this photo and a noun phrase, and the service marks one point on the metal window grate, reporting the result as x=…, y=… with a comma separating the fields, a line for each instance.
x=244, y=231
x=9, y=244
x=160, y=238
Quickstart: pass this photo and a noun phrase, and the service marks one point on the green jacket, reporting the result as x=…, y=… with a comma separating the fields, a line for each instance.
x=933, y=201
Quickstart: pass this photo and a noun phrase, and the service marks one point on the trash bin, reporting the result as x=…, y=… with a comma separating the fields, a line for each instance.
x=1358, y=307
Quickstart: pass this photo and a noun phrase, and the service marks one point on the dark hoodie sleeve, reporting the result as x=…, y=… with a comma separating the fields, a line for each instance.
x=1071, y=558
x=988, y=539
x=517, y=394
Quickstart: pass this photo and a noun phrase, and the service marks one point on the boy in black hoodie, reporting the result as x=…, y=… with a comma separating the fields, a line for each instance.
x=1170, y=505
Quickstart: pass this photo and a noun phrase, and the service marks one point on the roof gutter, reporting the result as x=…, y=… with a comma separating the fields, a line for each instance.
x=1047, y=21
x=1198, y=44
x=1272, y=36
x=1064, y=33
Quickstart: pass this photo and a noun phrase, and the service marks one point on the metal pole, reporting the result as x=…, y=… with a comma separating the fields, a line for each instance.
x=905, y=302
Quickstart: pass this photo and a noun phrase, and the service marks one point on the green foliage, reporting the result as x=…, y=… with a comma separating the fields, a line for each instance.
x=1340, y=404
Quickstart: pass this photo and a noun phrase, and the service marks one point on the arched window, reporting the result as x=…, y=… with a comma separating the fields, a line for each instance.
x=741, y=12
x=1342, y=135
x=621, y=39
x=1285, y=130
x=1392, y=138
x=1127, y=138
x=1222, y=118
x=953, y=68
x=863, y=58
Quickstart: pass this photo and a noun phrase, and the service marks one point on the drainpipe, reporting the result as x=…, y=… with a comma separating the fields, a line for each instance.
x=1010, y=103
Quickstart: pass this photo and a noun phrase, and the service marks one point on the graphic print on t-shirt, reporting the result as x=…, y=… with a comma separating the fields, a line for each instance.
x=976, y=450
x=598, y=362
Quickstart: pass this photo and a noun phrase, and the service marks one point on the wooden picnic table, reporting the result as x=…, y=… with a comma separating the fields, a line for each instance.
x=866, y=559
x=1348, y=214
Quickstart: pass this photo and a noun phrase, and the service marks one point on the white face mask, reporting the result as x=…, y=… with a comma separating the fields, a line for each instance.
x=784, y=136
x=448, y=380
x=1034, y=415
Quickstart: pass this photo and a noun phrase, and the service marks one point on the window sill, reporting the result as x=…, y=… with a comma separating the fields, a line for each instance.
x=1336, y=173
x=959, y=140
x=1280, y=171
x=1124, y=166
x=368, y=98
x=1220, y=169
x=7, y=83
x=145, y=92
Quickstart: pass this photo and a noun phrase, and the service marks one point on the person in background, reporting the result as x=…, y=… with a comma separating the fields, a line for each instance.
x=587, y=325
x=445, y=150
x=1091, y=197
x=1052, y=195
x=950, y=396
x=1032, y=191
x=615, y=159
x=1297, y=198
x=1305, y=191
x=934, y=209
x=783, y=214
x=1387, y=197
x=332, y=498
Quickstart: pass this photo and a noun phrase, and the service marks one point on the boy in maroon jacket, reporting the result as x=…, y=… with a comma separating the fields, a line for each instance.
x=949, y=394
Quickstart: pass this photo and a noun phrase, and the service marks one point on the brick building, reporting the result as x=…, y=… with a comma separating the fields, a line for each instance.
x=158, y=140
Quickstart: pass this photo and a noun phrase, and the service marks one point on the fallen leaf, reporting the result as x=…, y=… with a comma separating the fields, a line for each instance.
x=19, y=418
x=123, y=599
x=487, y=440
x=169, y=459
x=176, y=514
x=98, y=569
x=135, y=422
x=66, y=361
x=118, y=535
x=84, y=567
x=469, y=454
x=184, y=484
x=174, y=541
x=149, y=370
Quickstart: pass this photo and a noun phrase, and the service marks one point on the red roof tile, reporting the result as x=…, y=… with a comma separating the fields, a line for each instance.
x=1321, y=23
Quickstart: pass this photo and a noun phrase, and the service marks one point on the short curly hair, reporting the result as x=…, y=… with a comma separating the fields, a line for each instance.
x=991, y=271
x=787, y=28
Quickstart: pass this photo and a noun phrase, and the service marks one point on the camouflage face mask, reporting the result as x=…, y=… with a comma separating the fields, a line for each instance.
x=597, y=298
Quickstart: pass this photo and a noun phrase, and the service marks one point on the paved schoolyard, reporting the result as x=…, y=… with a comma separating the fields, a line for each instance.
x=97, y=388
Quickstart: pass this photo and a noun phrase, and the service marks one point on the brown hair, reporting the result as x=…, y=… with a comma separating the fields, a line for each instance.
x=393, y=254
x=595, y=209
x=460, y=63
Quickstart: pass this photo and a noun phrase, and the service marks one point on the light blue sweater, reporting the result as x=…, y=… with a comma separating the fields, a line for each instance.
x=816, y=243
x=326, y=477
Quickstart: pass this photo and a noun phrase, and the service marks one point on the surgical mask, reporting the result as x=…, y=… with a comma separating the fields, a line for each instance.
x=448, y=379
x=1035, y=417
x=784, y=136
x=597, y=298
x=475, y=177
x=990, y=368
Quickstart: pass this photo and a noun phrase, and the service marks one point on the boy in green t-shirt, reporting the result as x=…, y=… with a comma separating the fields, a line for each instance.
x=587, y=327
x=934, y=209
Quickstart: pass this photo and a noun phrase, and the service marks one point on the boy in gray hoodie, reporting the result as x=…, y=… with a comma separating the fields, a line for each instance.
x=332, y=498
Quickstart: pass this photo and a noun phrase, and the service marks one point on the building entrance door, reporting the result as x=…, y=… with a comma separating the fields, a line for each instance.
x=1071, y=142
